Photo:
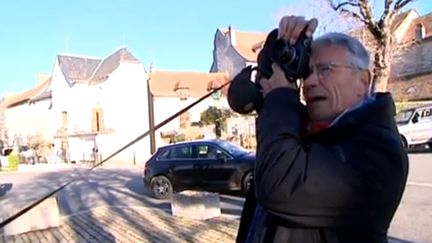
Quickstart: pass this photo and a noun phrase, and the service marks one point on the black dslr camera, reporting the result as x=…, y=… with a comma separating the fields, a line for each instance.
x=244, y=95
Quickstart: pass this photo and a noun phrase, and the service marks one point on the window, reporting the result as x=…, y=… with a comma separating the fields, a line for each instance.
x=232, y=148
x=420, y=32
x=97, y=120
x=64, y=118
x=183, y=93
x=209, y=152
x=181, y=152
x=403, y=117
x=184, y=119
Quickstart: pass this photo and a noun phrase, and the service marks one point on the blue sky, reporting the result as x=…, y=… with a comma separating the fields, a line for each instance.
x=173, y=35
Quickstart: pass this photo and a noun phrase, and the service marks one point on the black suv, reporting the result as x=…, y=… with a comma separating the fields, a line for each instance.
x=213, y=165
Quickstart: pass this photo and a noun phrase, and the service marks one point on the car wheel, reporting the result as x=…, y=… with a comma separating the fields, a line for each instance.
x=247, y=180
x=161, y=187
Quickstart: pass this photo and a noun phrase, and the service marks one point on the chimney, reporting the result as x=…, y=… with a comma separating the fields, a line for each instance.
x=42, y=77
x=232, y=36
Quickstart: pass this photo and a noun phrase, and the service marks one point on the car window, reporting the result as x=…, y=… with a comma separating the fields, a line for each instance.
x=233, y=149
x=205, y=151
x=181, y=152
x=165, y=154
x=404, y=116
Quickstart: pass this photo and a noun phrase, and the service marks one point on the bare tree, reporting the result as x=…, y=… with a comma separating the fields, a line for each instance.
x=329, y=20
x=384, y=44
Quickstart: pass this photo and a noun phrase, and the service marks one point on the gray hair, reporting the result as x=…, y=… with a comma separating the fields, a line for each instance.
x=361, y=58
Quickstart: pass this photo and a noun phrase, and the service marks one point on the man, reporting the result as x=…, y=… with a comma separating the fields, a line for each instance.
x=343, y=181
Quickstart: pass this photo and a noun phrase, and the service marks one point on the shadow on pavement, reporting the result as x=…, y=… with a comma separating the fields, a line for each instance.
x=120, y=188
x=396, y=240
x=4, y=188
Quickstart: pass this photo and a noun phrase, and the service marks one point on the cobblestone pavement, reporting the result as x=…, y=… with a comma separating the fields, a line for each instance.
x=128, y=224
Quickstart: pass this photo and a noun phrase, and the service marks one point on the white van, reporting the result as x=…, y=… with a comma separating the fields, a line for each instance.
x=415, y=126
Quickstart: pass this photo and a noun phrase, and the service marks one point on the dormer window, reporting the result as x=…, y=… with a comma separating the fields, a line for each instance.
x=420, y=31
x=183, y=93
x=181, y=90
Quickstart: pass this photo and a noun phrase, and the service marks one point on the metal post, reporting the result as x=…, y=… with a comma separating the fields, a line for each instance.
x=151, y=117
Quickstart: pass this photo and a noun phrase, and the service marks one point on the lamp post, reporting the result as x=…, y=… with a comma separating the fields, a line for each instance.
x=151, y=114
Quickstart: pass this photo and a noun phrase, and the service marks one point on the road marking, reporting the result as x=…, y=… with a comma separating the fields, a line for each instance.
x=423, y=184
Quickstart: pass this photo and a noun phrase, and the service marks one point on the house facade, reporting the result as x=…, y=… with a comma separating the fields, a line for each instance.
x=411, y=82
x=87, y=107
x=234, y=50
x=172, y=91
x=90, y=108
x=26, y=116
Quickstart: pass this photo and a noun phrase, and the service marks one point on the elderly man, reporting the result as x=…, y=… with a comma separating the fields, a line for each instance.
x=343, y=181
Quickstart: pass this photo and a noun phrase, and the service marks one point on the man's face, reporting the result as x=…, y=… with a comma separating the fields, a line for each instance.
x=334, y=84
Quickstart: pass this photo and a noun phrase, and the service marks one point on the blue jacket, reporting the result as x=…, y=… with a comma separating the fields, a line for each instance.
x=343, y=184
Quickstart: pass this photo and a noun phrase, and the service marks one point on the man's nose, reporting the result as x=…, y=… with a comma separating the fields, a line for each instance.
x=311, y=81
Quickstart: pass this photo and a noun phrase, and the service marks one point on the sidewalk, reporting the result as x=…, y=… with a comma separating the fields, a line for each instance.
x=42, y=167
x=128, y=224
x=64, y=166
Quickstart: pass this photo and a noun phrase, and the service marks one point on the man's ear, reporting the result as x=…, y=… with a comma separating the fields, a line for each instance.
x=366, y=80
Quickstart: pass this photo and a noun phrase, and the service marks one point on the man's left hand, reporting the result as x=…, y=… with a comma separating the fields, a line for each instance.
x=277, y=80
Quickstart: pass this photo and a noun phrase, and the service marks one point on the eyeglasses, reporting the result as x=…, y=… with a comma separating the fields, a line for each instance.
x=323, y=70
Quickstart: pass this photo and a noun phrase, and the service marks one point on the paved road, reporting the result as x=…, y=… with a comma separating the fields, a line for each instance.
x=100, y=187
x=123, y=187
x=413, y=220
x=131, y=225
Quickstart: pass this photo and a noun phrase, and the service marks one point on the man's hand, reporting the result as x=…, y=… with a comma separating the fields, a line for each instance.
x=290, y=27
x=277, y=80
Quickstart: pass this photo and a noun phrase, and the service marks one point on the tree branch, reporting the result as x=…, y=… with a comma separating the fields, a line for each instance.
x=400, y=4
x=340, y=5
x=386, y=11
x=352, y=14
x=366, y=12
x=340, y=8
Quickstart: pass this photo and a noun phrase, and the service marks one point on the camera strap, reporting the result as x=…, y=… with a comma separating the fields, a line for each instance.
x=161, y=124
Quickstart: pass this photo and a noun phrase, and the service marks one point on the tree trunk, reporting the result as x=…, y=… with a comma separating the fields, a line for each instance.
x=382, y=64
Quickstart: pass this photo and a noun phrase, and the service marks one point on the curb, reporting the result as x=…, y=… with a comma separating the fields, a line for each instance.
x=419, y=184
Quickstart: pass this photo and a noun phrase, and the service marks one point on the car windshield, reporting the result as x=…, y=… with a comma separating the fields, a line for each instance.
x=233, y=148
x=404, y=116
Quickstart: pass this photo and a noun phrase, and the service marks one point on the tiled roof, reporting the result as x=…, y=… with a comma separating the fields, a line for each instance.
x=412, y=89
x=77, y=69
x=109, y=64
x=246, y=42
x=26, y=95
x=165, y=83
x=93, y=70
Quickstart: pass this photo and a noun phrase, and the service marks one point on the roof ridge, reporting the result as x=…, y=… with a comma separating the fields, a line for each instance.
x=78, y=56
x=243, y=31
x=118, y=49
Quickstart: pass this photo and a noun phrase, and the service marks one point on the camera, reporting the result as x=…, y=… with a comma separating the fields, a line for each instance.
x=244, y=94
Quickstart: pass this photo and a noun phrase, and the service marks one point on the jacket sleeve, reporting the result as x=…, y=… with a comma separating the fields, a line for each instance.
x=321, y=183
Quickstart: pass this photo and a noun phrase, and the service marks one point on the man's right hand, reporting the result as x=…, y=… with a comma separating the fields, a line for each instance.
x=290, y=27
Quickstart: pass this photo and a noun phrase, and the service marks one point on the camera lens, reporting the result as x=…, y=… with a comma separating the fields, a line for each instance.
x=288, y=55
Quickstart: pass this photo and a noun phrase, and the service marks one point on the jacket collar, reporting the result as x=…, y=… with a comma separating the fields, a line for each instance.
x=378, y=108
